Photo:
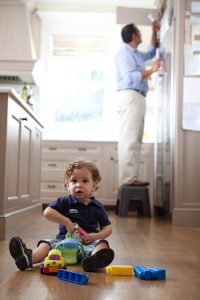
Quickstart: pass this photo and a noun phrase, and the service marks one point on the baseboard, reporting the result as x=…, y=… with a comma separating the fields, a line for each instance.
x=186, y=217
x=12, y=223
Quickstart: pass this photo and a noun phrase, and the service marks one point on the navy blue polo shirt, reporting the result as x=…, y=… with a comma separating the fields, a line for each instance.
x=90, y=217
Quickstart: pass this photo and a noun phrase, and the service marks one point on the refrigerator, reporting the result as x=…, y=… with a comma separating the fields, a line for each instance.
x=164, y=115
x=177, y=149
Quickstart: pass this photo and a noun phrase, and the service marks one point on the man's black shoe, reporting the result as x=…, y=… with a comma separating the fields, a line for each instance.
x=20, y=253
x=137, y=183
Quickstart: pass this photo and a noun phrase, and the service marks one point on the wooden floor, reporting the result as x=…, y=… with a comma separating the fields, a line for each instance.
x=136, y=240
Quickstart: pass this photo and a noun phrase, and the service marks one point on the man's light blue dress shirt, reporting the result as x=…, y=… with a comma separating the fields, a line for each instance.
x=129, y=67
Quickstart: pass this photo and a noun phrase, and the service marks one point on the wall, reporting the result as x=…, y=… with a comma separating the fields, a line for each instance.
x=186, y=143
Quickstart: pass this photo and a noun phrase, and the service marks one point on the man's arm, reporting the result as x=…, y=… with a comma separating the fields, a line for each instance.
x=154, y=42
x=152, y=48
x=155, y=28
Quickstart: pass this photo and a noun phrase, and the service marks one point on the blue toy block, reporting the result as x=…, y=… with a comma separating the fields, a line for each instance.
x=149, y=273
x=74, y=277
x=142, y=272
x=157, y=273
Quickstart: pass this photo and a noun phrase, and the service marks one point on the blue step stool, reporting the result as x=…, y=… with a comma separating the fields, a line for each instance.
x=138, y=195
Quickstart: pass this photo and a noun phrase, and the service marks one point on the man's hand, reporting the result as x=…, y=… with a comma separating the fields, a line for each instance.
x=155, y=65
x=155, y=26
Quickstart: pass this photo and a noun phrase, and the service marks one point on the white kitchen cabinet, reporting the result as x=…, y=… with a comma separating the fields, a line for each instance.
x=35, y=163
x=16, y=33
x=110, y=173
x=147, y=167
x=56, y=154
x=20, y=161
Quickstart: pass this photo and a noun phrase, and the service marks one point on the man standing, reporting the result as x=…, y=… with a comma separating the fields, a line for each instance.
x=132, y=88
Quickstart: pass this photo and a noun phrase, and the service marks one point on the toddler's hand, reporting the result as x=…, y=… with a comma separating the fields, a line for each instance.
x=70, y=227
x=91, y=237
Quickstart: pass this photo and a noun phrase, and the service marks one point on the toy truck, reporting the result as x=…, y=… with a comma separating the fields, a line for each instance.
x=53, y=262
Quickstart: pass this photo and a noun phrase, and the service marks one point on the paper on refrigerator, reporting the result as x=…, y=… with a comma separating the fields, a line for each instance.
x=191, y=61
x=191, y=104
x=196, y=38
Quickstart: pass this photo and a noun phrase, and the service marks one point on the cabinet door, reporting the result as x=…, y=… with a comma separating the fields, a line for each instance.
x=12, y=155
x=24, y=159
x=35, y=163
x=17, y=157
x=110, y=174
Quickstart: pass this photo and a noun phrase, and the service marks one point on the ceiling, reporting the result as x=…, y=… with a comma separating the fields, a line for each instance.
x=132, y=3
x=58, y=7
x=88, y=5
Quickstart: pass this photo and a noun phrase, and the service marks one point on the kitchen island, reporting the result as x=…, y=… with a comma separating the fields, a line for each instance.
x=20, y=163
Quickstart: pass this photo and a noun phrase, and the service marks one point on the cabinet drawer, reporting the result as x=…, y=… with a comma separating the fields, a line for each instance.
x=51, y=185
x=52, y=175
x=50, y=196
x=53, y=164
x=63, y=153
x=52, y=189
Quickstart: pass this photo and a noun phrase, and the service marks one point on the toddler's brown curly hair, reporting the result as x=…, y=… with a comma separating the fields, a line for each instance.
x=79, y=165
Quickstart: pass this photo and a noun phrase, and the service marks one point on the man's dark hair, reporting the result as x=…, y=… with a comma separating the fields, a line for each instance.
x=127, y=32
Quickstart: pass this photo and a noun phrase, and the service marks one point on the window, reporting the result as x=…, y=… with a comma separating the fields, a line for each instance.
x=78, y=90
x=81, y=88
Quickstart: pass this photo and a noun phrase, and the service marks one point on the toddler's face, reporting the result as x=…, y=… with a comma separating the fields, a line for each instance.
x=81, y=184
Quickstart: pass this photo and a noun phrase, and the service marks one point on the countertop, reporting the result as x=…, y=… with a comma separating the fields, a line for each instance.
x=21, y=102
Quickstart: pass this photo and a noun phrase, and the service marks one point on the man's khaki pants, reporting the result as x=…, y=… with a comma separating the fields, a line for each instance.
x=131, y=108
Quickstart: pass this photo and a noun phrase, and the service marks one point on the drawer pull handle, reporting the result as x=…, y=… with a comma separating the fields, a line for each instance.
x=52, y=165
x=82, y=149
x=115, y=160
x=52, y=148
x=51, y=186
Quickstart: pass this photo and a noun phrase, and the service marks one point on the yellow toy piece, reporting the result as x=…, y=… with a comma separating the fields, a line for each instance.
x=120, y=270
x=53, y=262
